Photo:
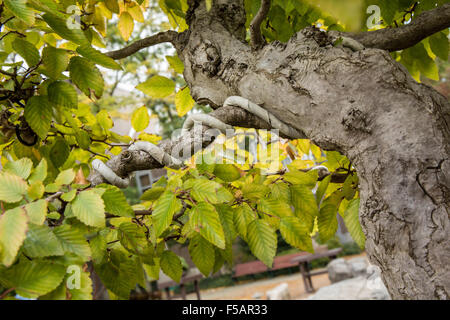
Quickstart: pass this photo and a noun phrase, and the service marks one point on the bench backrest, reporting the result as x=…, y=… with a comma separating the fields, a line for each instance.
x=255, y=267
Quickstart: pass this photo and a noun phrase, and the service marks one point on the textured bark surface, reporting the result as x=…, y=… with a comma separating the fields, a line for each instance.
x=363, y=104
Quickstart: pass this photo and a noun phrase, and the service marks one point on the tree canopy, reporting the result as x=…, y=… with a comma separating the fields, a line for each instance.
x=57, y=226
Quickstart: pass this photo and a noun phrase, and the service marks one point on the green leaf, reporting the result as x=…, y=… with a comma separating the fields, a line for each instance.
x=426, y=65
x=262, y=241
x=59, y=152
x=104, y=120
x=226, y=215
x=176, y=64
x=227, y=172
x=206, y=221
x=13, y=229
x=12, y=187
x=72, y=240
x=202, y=254
x=59, y=25
x=275, y=207
x=38, y=114
x=63, y=94
x=98, y=247
x=41, y=242
x=243, y=216
x=40, y=172
x=65, y=177
x=205, y=190
x=116, y=202
x=350, y=186
x=171, y=265
x=97, y=57
x=115, y=278
x=322, y=188
x=37, y=211
x=165, y=207
x=69, y=196
x=219, y=260
x=305, y=205
x=152, y=271
x=439, y=45
x=21, y=167
x=296, y=234
x=132, y=237
x=55, y=61
x=254, y=191
x=184, y=102
x=157, y=87
x=32, y=279
x=85, y=290
x=86, y=76
x=152, y=193
x=36, y=190
x=27, y=51
x=281, y=191
x=140, y=119
x=327, y=221
x=89, y=208
x=20, y=10
x=351, y=219
x=307, y=179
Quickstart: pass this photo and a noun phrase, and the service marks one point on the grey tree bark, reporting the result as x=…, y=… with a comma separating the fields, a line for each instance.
x=362, y=104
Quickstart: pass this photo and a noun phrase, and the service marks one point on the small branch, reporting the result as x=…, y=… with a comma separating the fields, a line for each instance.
x=6, y=292
x=136, y=213
x=256, y=38
x=406, y=36
x=167, y=36
x=54, y=196
x=6, y=73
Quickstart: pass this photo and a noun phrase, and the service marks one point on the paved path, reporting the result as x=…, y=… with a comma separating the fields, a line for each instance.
x=246, y=291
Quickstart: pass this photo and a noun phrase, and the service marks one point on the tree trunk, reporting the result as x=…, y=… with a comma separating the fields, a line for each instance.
x=362, y=104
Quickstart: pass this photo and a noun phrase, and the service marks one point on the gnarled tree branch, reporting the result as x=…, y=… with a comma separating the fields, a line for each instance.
x=166, y=36
x=393, y=39
x=256, y=37
x=133, y=160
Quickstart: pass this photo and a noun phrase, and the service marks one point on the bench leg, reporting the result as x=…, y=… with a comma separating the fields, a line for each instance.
x=306, y=277
x=183, y=291
x=197, y=289
x=168, y=293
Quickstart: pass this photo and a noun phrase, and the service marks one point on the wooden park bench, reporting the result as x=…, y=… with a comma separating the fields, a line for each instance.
x=192, y=275
x=304, y=261
x=256, y=267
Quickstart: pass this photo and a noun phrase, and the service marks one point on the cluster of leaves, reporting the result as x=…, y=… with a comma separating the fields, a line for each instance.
x=52, y=224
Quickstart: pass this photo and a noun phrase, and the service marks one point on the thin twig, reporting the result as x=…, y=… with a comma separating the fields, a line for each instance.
x=6, y=292
x=256, y=38
x=166, y=36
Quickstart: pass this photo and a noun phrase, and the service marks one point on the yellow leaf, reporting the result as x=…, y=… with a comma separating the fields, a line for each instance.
x=126, y=25
x=136, y=12
x=140, y=119
x=100, y=22
x=208, y=4
x=184, y=102
x=104, y=10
